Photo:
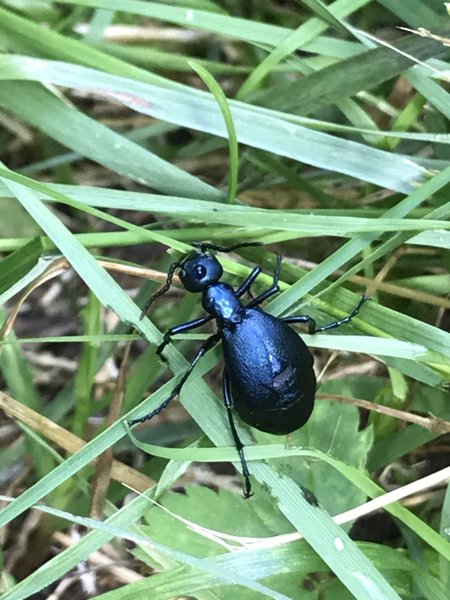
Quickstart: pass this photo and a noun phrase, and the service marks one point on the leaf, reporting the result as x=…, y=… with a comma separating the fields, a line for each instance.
x=333, y=429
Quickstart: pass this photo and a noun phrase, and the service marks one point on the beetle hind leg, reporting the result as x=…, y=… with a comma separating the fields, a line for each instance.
x=237, y=442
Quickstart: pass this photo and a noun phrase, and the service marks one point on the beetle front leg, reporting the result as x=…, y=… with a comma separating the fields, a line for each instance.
x=179, y=329
x=209, y=343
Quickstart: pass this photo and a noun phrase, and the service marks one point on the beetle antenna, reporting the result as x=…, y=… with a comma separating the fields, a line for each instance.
x=165, y=288
x=208, y=246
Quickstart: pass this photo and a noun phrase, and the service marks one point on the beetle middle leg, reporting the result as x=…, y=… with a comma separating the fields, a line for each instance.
x=209, y=343
x=237, y=442
x=312, y=327
x=274, y=288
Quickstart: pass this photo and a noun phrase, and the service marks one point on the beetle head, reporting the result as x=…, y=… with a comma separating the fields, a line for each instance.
x=199, y=270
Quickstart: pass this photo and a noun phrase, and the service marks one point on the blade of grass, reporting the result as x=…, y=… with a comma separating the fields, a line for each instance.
x=184, y=208
x=297, y=39
x=17, y=264
x=222, y=102
x=416, y=13
x=254, y=127
x=353, y=247
x=87, y=368
x=69, y=126
x=245, y=29
x=347, y=77
x=432, y=91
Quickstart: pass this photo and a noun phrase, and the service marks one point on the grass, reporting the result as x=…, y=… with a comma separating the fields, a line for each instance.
x=320, y=130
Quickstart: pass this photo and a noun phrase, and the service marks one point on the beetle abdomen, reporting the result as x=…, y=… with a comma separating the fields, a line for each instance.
x=270, y=371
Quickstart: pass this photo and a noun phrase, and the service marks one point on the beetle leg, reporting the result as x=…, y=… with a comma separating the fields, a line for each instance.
x=245, y=286
x=237, y=442
x=179, y=329
x=298, y=319
x=312, y=327
x=209, y=343
x=274, y=288
x=312, y=324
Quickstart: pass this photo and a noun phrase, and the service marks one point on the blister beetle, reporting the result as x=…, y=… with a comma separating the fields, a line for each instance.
x=268, y=377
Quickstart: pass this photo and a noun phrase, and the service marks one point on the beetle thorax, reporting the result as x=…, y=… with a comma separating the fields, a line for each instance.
x=220, y=301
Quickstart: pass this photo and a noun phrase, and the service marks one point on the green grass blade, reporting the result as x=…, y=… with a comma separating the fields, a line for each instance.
x=222, y=102
x=348, y=77
x=64, y=123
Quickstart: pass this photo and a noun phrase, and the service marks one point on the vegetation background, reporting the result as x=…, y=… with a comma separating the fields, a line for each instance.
x=129, y=129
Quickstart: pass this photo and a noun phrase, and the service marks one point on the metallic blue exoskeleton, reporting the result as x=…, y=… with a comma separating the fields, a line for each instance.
x=268, y=377
x=270, y=371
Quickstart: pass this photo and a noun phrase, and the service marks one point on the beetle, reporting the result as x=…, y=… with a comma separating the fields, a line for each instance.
x=268, y=377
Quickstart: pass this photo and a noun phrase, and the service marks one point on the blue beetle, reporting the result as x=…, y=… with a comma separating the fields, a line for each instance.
x=268, y=377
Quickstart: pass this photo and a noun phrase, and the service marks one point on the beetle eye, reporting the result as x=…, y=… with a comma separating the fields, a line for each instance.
x=200, y=272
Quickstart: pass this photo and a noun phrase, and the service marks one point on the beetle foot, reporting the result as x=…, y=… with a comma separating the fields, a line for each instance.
x=160, y=349
x=163, y=358
x=247, y=492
